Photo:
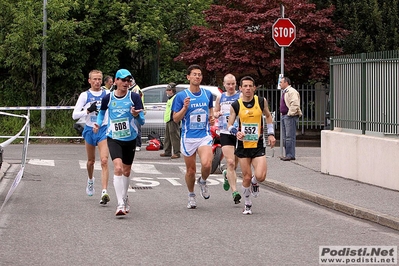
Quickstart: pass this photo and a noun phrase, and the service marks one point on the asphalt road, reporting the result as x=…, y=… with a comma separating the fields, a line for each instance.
x=49, y=220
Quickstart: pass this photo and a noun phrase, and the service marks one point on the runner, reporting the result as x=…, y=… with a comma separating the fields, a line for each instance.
x=123, y=108
x=250, y=146
x=194, y=107
x=228, y=141
x=87, y=106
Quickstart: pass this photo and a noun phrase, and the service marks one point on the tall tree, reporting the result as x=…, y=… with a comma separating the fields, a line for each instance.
x=85, y=35
x=238, y=39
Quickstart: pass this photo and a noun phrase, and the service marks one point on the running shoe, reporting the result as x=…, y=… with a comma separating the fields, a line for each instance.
x=255, y=189
x=226, y=185
x=203, y=189
x=236, y=197
x=192, y=203
x=90, y=187
x=127, y=204
x=247, y=210
x=138, y=149
x=104, y=198
x=120, y=210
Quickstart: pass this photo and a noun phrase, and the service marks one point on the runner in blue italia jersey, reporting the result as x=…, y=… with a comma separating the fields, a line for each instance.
x=87, y=106
x=228, y=141
x=194, y=107
x=124, y=107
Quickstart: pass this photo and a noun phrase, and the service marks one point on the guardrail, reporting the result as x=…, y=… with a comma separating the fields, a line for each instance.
x=4, y=144
x=28, y=108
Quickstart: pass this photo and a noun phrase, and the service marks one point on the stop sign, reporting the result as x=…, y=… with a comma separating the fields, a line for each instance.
x=283, y=32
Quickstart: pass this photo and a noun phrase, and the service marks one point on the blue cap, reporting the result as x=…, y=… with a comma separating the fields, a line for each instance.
x=123, y=73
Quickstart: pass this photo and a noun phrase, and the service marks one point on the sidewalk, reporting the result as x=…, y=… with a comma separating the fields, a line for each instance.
x=302, y=178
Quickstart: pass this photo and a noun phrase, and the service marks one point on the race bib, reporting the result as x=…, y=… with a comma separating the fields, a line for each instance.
x=251, y=132
x=198, y=119
x=120, y=128
x=223, y=121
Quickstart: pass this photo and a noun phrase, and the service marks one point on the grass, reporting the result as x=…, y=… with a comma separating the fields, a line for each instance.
x=59, y=123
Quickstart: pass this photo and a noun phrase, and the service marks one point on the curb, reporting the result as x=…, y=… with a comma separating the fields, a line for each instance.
x=346, y=208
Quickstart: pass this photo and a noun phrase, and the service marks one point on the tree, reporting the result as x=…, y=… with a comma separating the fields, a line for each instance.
x=373, y=25
x=238, y=39
x=84, y=35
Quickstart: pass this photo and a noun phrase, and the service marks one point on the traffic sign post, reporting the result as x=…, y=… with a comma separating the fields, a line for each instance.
x=283, y=32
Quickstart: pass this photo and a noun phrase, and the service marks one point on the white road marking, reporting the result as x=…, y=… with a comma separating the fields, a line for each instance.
x=41, y=162
x=97, y=165
x=145, y=169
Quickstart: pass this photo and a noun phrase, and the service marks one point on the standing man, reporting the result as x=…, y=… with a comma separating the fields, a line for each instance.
x=87, y=106
x=290, y=112
x=194, y=107
x=108, y=82
x=172, y=129
x=136, y=88
x=228, y=141
x=124, y=107
x=250, y=147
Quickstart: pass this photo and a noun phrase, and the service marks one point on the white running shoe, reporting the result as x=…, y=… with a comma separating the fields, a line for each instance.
x=120, y=210
x=192, y=203
x=255, y=189
x=104, y=198
x=138, y=149
x=247, y=210
x=90, y=187
x=203, y=189
x=127, y=204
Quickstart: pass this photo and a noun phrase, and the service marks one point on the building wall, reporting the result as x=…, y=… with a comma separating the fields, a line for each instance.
x=368, y=159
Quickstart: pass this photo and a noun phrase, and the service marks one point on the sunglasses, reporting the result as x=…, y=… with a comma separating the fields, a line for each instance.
x=126, y=80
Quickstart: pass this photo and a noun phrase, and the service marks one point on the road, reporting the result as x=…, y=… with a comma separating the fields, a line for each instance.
x=49, y=219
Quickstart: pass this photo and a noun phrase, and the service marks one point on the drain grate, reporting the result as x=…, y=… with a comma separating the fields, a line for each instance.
x=141, y=188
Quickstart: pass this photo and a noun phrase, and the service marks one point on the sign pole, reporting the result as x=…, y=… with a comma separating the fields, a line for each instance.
x=281, y=93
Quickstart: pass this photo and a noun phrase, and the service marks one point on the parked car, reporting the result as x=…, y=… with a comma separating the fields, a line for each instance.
x=155, y=101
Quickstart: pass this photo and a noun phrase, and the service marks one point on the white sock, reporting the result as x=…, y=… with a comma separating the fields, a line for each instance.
x=126, y=182
x=104, y=191
x=202, y=180
x=246, y=192
x=119, y=188
x=253, y=180
x=90, y=180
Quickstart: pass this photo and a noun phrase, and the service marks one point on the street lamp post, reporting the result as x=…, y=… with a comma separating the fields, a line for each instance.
x=44, y=65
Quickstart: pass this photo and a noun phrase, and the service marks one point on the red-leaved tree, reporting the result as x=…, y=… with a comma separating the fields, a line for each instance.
x=238, y=40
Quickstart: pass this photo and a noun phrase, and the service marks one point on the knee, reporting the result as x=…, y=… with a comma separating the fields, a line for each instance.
x=118, y=170
x=190, y=171
x=261, y=178
x=231, y=163
x=90, y=162
x=104, y=162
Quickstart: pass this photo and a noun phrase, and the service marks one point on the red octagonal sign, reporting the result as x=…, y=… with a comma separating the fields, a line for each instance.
x=283, y=32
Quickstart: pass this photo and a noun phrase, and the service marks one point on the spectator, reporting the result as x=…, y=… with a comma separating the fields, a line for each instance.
x=172, y=129
x=136, y=88
x=290, y=112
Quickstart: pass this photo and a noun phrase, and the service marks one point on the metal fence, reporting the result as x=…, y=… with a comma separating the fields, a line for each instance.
x=364, y=92
x=314, y=101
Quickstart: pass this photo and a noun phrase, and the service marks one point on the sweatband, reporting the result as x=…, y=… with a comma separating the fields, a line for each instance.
x=270, y=129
